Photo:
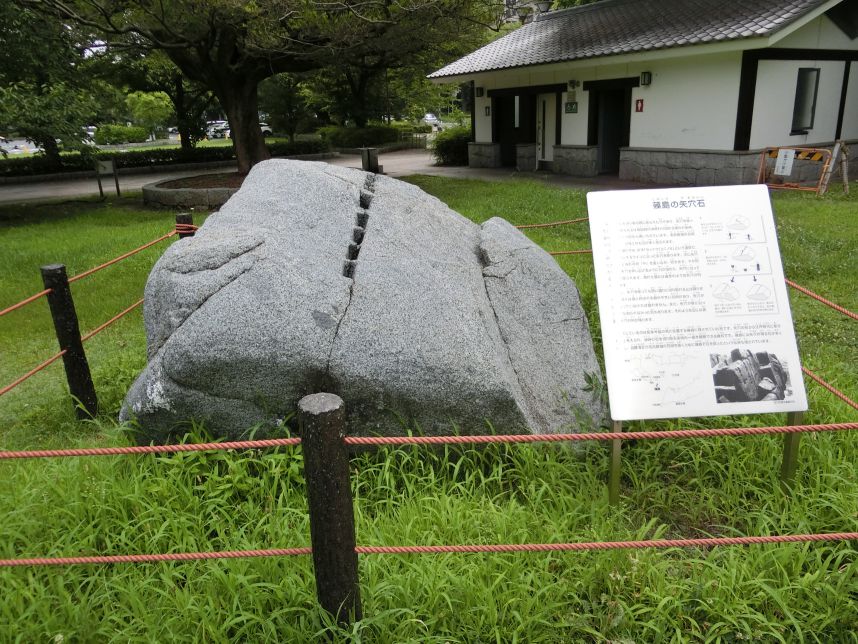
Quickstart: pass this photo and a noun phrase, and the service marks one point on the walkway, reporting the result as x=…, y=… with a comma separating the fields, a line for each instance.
x=395, y=164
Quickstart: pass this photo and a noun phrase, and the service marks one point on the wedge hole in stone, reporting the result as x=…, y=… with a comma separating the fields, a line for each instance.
x=349, y=269
x=362, y=219
x=357, y=236
x=354, y=251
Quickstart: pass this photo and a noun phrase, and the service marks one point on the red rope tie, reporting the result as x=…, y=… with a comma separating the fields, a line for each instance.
x=186, y=228
x=23, y=303
x=600, y=436
x=151, y=449
x=584, y=251
x=33, y=372
x=176, y=556
x=553, y=223
x=819, y=298
x=121, y=257
x=101, y=328
x=607, y=545
x=831, y=388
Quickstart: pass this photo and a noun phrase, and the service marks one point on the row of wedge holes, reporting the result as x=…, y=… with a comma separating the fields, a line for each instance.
x=358, y=232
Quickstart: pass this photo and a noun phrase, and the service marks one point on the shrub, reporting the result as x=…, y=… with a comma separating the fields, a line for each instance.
x=114, y=134
x=411, y=128
x=450, y=147
x=39, y=164
x=357, y=137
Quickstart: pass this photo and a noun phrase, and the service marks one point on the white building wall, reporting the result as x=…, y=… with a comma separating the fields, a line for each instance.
x=820, y=33
x=690, y=105
x=850, y=114
x=774, y=102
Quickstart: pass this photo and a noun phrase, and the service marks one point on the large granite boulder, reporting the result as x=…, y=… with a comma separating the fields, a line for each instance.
x=318, y=278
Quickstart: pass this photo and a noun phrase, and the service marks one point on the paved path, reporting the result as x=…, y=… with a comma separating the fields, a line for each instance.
x=395, y=164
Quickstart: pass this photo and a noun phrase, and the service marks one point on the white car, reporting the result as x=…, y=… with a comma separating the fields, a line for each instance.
x=264, y=127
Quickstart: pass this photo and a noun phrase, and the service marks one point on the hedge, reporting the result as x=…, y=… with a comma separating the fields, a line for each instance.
x=116, y=134
x=450, y=146
x=74, y=162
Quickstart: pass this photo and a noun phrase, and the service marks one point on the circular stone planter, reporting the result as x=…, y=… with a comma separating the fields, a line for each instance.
x=158, y=194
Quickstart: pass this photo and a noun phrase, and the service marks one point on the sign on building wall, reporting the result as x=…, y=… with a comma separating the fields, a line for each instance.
x=693, y=305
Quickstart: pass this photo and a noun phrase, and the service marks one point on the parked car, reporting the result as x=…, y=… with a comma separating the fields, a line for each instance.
x=266, y=131
x=217, y=129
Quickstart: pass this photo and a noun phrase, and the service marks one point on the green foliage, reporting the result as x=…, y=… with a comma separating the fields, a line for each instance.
x=492, y=494
x=150, y=110
x=114, y=134
x=407, y=127
x=40, y=164
x=450, y=146
x=285, y=98
x=356, y=137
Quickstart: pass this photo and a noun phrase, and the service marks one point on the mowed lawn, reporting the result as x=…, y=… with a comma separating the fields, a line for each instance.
x=516, y=494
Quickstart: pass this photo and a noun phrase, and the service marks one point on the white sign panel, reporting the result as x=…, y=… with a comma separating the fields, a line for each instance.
x=783, y=164
x=693, y=305
x=105, y=167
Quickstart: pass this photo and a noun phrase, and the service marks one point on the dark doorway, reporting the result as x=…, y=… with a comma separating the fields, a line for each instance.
x=614, y=117
x=513, y=122
x=610, y=120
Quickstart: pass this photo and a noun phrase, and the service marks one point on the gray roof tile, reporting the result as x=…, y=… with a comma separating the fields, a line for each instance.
x=612, y=27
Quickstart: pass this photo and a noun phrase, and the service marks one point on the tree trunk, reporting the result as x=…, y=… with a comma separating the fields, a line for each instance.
x=51, y=149
x=238, y=97
x=182, y=116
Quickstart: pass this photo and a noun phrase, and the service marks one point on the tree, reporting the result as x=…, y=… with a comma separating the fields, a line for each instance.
x=150, y=109
x=230, y=46
x=44, y=95
x=285, y=98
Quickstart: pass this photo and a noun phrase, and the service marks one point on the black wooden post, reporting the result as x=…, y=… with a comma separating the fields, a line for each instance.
x=329, y=494
x=187, y=219
x=68, y=334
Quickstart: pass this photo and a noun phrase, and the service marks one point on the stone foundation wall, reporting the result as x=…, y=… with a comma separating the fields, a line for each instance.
x=688, y=167
x=484, y=155
x=525, y=157
x=575, y=160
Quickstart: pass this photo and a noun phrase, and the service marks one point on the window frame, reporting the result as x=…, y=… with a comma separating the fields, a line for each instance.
x=802, y=87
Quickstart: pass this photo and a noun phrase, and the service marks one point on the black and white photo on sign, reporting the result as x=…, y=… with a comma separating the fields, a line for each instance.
x=744, y=375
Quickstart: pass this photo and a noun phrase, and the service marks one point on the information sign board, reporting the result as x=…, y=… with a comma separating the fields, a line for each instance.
x=783, y=165
x=693, y=305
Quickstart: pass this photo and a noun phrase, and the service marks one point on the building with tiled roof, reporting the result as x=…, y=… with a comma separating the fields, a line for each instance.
x=668, y=91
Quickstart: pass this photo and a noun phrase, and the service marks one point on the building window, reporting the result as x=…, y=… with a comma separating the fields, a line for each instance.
x=805, y=99
x=517, y=112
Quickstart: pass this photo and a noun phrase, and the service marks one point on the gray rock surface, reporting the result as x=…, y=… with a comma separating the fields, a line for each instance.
x=318, y=278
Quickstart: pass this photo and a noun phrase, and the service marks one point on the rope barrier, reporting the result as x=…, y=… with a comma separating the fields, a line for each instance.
x=121, y=257
x=32, y=372
x=819, y=298
x=709, y=542
x=174, y=556
x=151, y=449
x=430, y=440
x=553, y=223
x=606, y=545
x=182, y=229
x=596, y=436
x=585, y=251
x=23, y=303
x=116, y=317
x=831, y=388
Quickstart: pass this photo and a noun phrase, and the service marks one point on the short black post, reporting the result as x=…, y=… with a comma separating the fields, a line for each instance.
x=329, y=494
x=185, y=218
x=68, y=334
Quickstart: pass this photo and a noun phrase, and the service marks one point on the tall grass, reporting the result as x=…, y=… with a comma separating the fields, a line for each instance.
x=497, y=494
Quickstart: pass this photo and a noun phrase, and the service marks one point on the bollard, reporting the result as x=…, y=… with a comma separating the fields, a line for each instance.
x=68, y=334
x=185, y=218
x=329, y=495
x=789, y=464
x=369, y=160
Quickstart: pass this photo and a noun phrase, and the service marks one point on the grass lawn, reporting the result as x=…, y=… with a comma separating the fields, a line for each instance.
x=517, y=494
